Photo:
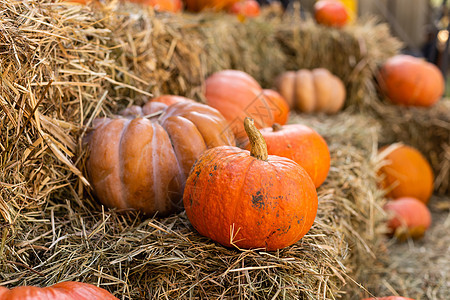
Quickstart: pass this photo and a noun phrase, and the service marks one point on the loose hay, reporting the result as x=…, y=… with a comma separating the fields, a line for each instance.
x=62, y=65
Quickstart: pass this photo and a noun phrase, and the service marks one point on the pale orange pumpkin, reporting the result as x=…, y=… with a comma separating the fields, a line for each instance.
x=142, y=163
x=409, y=217
x=246, y=8
x=311, y=91
x=237, y=95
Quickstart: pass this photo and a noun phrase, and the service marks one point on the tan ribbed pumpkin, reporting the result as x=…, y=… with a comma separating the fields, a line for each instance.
x=142, y=163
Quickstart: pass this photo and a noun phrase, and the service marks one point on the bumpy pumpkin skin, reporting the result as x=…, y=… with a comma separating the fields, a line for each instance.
x=409, y=218
x=263, y=204
x=238, y=95
x=331, y=13
x=407, y=174
x=140, y=163
x=410, y=81
x=312, y=91
x=301, y=144
x=68, y=290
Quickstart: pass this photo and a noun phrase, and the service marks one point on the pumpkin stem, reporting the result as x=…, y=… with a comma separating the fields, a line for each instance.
x=258, y=147
x=276, y=127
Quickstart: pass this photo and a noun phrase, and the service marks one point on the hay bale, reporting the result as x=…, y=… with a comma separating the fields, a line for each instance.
x=63, y=65
x=427, y=129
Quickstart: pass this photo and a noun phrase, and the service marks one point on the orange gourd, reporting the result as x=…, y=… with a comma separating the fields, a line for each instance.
x=331, y=13
x=406, y=173
x=237, y=95
x=68, y=290
x=249, y=199
x=246, y=8
x=410, y=81
x=409, y=217
x=161, y=5
x=142, y=163
x=312, y=91
x=301, y=144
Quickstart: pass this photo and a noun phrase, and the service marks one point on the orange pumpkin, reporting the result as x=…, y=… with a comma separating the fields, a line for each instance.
x=312, y=91
x=411, y=81
x=301, y=144
x=246, y=8
x=142, y=163
x=213, y=5
x=250, y=199
x=161, y=5
x=68, y=290
x=238, y=95
x=409, y=217
x=331, y=13
x=406, y=173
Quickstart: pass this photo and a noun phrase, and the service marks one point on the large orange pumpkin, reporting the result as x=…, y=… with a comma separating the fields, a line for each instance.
x=301, y=144
x=68, y=290
x=331, y=13
x=411, y=81
x=214, y=5
x=409, y=217
x=237, y=95
x=406, y=173
x=310, y=91
x=142, y=162
x=250, y=199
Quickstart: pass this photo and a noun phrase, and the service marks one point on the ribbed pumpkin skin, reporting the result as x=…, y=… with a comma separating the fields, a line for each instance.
x=214, y=5
x=312, y=91
x=410, y=173
x=301, y=144
x=410, y=81
x=331, y=13
x=68, y=290
x=410, y=217
x=238, y=95
x=143, y=164
x=266, y=204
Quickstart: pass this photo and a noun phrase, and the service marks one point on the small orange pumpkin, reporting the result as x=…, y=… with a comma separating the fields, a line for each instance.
x=237, y=95
x=409, y=217
x=142, y=163
x=250, y=199
x=406, y=173
x=68, y=290
x=331, y=13
x=411, y=81
x=311, y=91
x=301, y=144
x=213, y=5
x=246, y=8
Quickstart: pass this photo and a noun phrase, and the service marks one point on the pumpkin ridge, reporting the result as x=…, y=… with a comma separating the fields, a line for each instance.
x=121, y=166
